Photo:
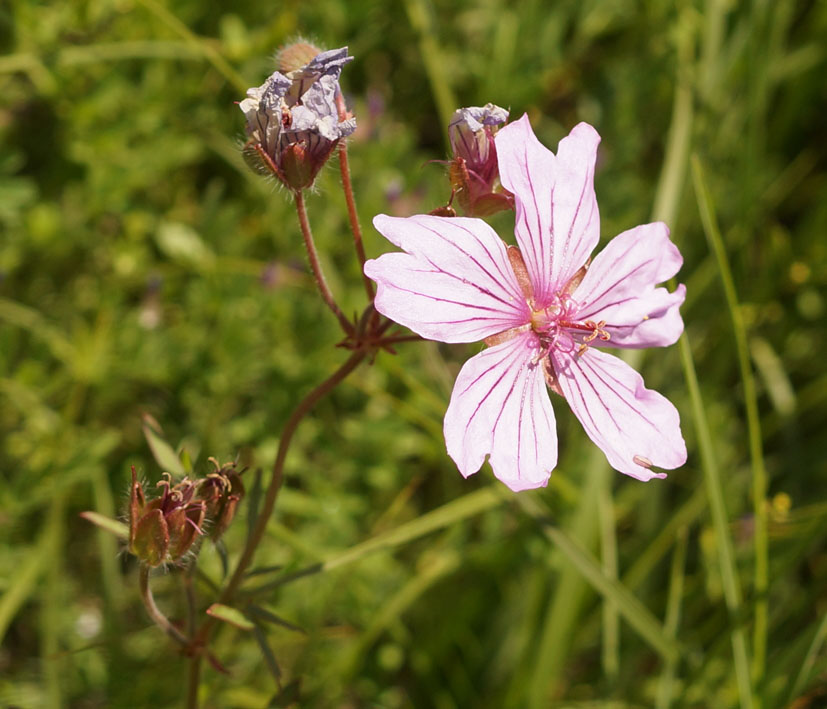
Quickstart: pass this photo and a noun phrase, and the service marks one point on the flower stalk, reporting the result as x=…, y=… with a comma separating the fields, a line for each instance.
x=353, y=217
x=316, y=266
x=155, y=613
x=201, y=637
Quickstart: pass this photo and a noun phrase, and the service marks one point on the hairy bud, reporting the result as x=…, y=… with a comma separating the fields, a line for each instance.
x=473, y=170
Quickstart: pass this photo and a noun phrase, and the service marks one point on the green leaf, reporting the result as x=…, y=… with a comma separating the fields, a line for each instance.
x=119, y=529
x=266, y=615
x=162, y=451
x=267, y=652
x=233, y=616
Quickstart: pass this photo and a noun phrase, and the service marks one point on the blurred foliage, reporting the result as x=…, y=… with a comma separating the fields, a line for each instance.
x=143, y=269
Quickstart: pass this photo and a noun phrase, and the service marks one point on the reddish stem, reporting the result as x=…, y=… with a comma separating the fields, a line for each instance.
x=353, y=216
x=255, y=537
x=316, y=266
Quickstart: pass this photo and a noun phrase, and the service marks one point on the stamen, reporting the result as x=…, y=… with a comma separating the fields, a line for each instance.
x=644, y=462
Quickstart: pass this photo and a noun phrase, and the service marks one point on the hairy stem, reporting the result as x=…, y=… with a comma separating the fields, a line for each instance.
x=353, y=216
x=316, y=266
x=155, y=613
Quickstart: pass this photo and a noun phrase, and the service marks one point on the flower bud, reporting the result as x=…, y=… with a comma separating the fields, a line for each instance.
x=473, y=171
x=221, y=492
x=296, y=55
x=293, y=119
x=164, y=529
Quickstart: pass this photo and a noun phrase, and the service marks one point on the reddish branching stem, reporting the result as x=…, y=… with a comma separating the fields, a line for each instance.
x=200, y=638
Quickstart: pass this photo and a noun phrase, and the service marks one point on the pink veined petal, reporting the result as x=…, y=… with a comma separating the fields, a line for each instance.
x=500, y=407
x=634, y=426
x=558, y=223
x=453, y=284
x=619, y=287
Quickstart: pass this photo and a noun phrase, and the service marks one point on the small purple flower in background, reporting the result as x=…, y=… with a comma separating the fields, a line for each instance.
x=293, y=120
x=473, y=171
x=542, y=309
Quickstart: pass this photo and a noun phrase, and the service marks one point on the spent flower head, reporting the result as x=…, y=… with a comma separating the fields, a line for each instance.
x=221, y=492
x=294, y=119
x=542, y=308
x=163, y=530
x=473, y=170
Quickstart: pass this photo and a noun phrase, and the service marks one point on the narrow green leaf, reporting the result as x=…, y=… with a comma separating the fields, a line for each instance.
x=268, y=616
x=233, y=616
x=221, y=548
x=467, y=506
x=119, y=529
x=267, y=652
x=162, y=451
x=263, y=570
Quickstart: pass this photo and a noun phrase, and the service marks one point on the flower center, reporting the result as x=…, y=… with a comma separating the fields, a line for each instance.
x=556, y=327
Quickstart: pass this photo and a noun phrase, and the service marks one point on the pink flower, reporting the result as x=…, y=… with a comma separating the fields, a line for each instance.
x=542, y=309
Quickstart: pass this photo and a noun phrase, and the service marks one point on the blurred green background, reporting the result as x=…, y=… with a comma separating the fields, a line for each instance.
x=143, y=268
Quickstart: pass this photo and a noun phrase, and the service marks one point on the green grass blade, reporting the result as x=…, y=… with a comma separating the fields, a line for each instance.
x=759, y=471
x=570, y=589
x=666, y=684
x=720, y=522
x=438, y=565
x=420, y=17
x=20, y=589
x=207, y=50
x=809, y=659
x=608, y=553
x=635, y=613
x=466, y=506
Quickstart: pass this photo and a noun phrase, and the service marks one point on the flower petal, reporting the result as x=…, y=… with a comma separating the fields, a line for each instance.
x=454, y=284
x=619, y=287
x=558, y=223
x=500, y=407
x=634, y=426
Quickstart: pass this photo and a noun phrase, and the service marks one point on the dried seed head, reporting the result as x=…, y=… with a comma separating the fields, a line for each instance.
x=294, y=120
